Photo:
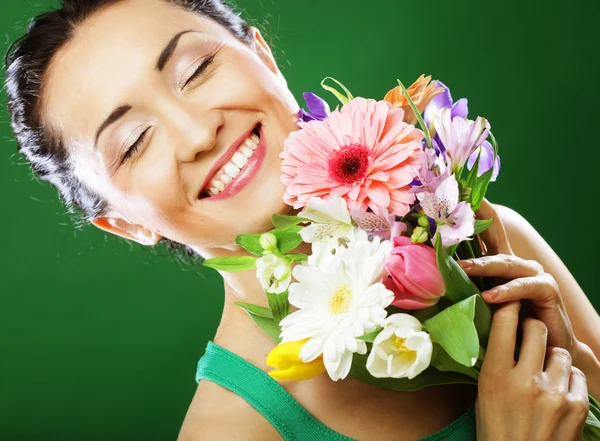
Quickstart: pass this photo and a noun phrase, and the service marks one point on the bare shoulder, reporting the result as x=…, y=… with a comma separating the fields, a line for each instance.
x=218, y=414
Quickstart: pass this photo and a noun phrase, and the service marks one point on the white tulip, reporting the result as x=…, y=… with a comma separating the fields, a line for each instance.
x=401, y=350
x=274, y=273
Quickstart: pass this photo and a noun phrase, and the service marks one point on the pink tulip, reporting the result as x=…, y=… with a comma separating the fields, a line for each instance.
x=413, y=277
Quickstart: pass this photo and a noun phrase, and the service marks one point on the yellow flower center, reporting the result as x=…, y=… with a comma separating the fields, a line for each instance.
x=341, y=299
x=399, y=344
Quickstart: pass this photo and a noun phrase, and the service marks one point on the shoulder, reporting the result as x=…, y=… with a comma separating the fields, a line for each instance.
x=524, y=239
x=218, y=414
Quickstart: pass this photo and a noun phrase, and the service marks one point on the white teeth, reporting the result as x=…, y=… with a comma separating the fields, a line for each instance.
x=234, y=166
x=231, y=170
x=247, y=152
x=251, y=144
x=239, y=160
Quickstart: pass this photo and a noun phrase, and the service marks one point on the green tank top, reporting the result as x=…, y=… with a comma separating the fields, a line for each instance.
x=293, y=421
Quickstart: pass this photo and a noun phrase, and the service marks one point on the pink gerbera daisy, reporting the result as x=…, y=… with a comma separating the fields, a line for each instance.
x=364, y=152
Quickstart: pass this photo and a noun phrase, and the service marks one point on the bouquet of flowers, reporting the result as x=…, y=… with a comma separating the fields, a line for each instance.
x=388, y=208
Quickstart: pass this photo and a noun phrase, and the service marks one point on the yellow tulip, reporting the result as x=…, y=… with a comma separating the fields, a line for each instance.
x=285, y=358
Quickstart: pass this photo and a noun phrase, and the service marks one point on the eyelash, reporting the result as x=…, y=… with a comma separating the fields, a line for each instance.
x=134, y=147
x=199, y=71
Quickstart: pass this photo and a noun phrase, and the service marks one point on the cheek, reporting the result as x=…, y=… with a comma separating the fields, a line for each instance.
x=152, y=194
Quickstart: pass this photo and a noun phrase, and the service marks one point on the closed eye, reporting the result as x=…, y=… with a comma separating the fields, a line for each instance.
x=205, y=63
x=135, y=146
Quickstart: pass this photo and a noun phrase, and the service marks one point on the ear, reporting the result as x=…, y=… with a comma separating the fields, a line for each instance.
x=264, y=52
x=122, y=228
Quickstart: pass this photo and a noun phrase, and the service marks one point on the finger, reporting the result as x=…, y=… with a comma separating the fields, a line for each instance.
x=495, y=237
x=578, y=385
x=503, y=335
x=541, y=290
x=533, y=346
x=558, y=368
x=502, y=265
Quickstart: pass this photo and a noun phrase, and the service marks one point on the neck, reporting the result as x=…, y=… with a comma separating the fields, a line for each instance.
x=237, y=332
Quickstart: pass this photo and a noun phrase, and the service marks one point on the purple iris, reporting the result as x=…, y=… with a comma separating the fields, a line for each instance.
x=318, y=109
x=460, y=109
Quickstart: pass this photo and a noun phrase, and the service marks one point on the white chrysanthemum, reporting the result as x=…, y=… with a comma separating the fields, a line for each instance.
x=401, y=349
x=330, y=222
x=274, y=273
x=339, y=302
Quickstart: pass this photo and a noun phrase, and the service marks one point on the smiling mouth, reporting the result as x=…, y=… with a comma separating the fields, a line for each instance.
x=233, y=167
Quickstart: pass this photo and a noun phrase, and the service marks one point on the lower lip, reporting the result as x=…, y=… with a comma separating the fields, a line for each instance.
x=247, y=174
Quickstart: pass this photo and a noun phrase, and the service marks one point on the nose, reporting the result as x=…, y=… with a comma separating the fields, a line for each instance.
x=197, y=134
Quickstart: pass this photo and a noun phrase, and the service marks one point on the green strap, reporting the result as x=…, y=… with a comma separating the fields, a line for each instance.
x=291, y=420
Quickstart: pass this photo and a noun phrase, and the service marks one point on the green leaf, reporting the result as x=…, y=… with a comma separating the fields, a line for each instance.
x=251, y=243
x=458, y=284
x=283, y=221
x=287, y=238
x=343, y=99
x=296, y=257
x=443, y=362
x=591, y=429
x=460, y=328
x=370, y=336
x=429, y=377
x=267, y=324
x=472, y=176
x=255, y=310
x=482, y=224
x=279, y=304
x=481, y=183
x=231, y=264
x=417, y=114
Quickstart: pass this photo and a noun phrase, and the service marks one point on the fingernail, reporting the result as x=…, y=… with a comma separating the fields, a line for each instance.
x=465, y=263
x=491, y=294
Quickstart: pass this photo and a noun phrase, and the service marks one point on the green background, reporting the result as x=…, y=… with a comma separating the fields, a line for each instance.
x=99, y=339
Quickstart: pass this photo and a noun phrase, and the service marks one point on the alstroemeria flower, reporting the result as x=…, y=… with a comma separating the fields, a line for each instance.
x=460, y=137
x=285, y=358
x=383, y=225
x=318, y=109
x=455, y=220
x=274, y=273
x=459, y=108
x=487, y=160
x=421, y=92
x=432, y=173
x=401, y=350
x=330, y=222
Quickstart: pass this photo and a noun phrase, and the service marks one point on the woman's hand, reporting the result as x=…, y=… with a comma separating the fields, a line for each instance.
x=521, y=400
x=525, y=280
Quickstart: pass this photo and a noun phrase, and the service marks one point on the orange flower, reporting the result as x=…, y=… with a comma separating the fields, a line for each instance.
x=421, y=92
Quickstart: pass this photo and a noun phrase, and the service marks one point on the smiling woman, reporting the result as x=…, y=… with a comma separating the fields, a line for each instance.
x=165, y=120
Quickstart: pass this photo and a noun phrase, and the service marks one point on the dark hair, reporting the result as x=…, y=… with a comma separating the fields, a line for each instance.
x=26, y=64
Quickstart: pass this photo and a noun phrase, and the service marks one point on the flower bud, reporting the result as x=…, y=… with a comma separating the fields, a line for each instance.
x=424, y=222
x=420, y=235
x=268, y=241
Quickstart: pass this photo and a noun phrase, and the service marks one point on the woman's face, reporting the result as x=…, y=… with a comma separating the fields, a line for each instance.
x=150, y=99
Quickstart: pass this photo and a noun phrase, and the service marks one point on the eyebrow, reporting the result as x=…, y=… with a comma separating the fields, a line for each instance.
x=169, y=49
x=162, y=61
